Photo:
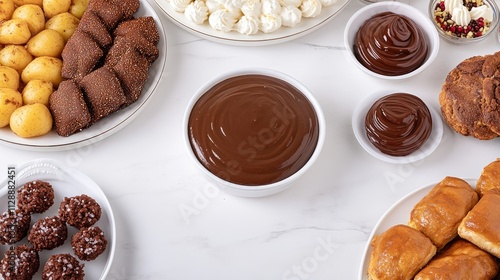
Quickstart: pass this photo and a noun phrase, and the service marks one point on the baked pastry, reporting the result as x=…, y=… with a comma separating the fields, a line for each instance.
x=461, y=260
x=80, y=211
x=132, y=85
x=26, y=263
x=491, y=103
x=63, y=266
x=69, y=109
x=35, y=197
x=80, y=55
x=103, y=91
x=92, y=25
x=490, y=178
x=399, y=253
x=14, y=226
x=438, y=214
x=48, y=233
x=89, y=243
x=460, y=99
x=481, y=226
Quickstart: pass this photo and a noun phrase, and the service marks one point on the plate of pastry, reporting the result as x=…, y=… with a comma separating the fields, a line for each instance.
x=97, y=99
x=251, y=22
x=60, y=216
x=442, y=228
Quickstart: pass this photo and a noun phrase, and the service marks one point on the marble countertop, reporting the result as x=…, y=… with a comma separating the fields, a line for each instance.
x=174, y=224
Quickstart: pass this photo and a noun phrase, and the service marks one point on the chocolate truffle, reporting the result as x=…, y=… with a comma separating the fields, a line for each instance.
x=80, y=211
x=48, y=233
x=14, y=226
x=89, y=243
x=21, y=262
x=35, y=197
x=63, y=266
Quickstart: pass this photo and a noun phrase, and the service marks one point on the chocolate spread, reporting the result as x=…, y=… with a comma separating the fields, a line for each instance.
x=398, y=124
x=253, y=129
x=390, y=44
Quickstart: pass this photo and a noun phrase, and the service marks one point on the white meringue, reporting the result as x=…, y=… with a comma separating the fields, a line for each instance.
x=197, y=12
x=248, y=25
x=290, y=16
x=222, y=20
x=271, y=7
x=269, y=23
x=310, y=8
x=251, y=8
x=180, y=5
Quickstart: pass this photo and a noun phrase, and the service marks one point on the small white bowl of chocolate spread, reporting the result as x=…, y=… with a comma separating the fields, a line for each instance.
x=391, y=40
x=397, y=127
x=254, y=131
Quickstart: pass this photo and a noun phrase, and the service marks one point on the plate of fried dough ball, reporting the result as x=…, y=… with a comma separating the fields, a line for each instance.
x=63, y=224
x=98, y=96
x=445, y=230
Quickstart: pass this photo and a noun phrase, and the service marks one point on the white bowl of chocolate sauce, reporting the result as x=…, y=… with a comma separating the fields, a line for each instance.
x=391, y=40
x=397, y=127
x=253, y=131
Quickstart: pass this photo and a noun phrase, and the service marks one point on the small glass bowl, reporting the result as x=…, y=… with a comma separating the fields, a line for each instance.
x=459, y=40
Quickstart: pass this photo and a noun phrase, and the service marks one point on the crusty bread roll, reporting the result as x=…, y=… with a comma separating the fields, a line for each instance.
x=399, y=253
x=461, y=260
x=481, y=226
x=490, y=178
x=438, y=214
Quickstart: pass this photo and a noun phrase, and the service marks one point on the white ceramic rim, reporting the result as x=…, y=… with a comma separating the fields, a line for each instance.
x=306, y=26
x=401, y=8
x=408, y=201
x=57, y=169
x=358, y=126
x=268, y=189
x=108, y=125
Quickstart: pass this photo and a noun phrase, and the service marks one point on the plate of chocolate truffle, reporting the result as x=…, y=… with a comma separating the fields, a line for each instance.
x=99, y=95
x=56, y=222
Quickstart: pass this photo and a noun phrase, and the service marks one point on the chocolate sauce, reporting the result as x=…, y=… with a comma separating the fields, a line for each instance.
x=253, y=130
x=390, y=44
x=398, y=124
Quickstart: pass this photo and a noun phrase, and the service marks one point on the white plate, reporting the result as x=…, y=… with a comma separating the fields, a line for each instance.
x=66, y=182
x=108, y=125
x=305, y=26
x=399, y=213
x=358, y=126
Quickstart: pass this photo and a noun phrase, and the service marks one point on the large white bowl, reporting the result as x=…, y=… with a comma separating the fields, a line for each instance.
x=261, y=190
x=365, y=13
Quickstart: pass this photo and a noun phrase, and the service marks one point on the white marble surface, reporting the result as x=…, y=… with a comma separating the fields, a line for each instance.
x=173, y=224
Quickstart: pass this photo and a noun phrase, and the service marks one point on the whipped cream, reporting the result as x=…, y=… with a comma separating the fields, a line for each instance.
x=310, y=8
x=326, y=3
x=269, y=23
x=222, y=20
x=251, y=16
x=290, y=16
x=271, y=7
x=251, y=8
x=461, y=16
x=214, y=5
x=295, y=3
x=180, y=5
x=196, y=12
x=451, y=5
x=248, y=25
x=482, y=11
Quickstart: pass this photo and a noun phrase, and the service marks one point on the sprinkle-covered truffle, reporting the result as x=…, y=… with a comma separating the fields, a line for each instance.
x=80, y=211
x=19, y=263
x=14, y=226
x=63, y=267
x=89, y=243
x=35, y=197
x=48, y=233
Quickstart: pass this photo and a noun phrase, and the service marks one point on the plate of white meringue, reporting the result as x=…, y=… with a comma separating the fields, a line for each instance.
x=251, y=22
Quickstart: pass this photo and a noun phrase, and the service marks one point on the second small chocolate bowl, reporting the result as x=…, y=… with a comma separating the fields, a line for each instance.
x=254, y=131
